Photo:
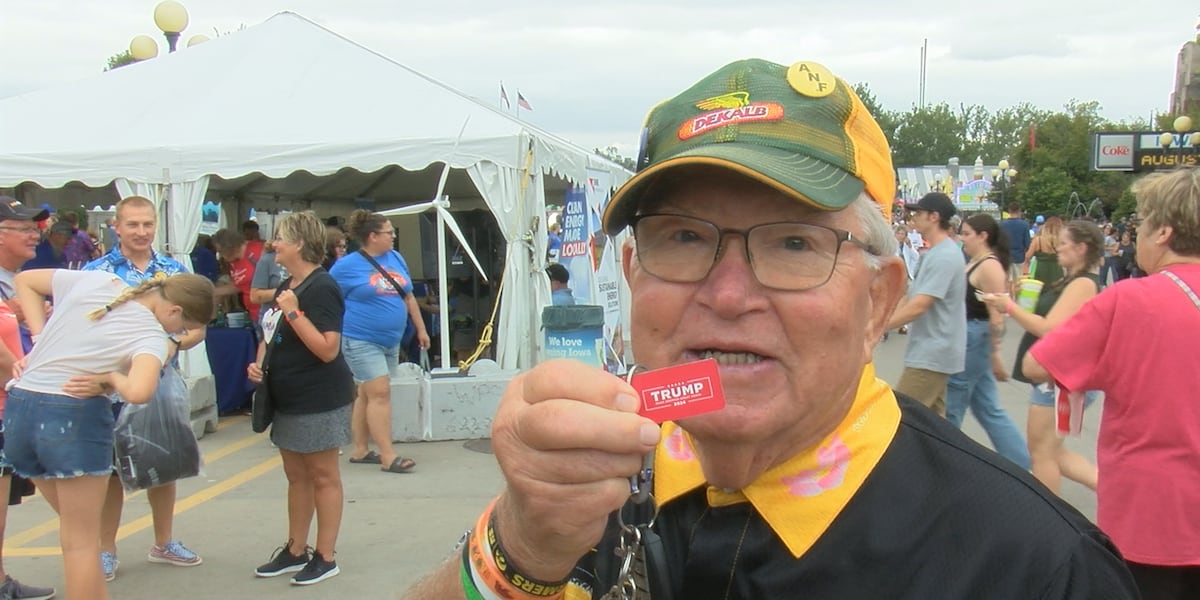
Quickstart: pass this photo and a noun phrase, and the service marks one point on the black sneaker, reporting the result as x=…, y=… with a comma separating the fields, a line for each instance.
x=283, y=561
x=317, y=570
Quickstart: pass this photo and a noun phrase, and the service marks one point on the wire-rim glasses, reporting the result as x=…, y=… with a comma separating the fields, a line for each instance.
x=785, y=255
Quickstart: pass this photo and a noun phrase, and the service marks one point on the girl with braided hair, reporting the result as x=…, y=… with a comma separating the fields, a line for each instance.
x=104, y=337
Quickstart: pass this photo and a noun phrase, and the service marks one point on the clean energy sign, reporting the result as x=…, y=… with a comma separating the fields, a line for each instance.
x=1141, y=151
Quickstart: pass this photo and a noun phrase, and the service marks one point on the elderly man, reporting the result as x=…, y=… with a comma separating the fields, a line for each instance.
x=760, y=240
x=19, y=236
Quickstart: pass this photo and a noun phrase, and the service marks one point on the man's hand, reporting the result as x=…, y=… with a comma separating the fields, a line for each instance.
x=88, y=386
x=567, y=438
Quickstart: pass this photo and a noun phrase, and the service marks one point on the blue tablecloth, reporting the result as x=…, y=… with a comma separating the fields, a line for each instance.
x=229, y=351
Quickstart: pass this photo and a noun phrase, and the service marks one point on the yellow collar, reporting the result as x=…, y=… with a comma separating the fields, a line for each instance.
x=800, y=498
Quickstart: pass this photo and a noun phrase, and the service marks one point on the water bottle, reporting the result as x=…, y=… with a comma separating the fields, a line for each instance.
x=220, y=316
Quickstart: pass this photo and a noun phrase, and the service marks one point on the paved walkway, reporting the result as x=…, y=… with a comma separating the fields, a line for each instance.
x=395, y=527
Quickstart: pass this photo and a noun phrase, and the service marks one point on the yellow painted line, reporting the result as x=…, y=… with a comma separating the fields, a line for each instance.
x=15, y=541
x=228, y=449
x=223, y=422
x=181, y=506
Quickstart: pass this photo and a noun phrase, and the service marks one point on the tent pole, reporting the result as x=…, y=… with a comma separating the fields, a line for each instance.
x=444, y=295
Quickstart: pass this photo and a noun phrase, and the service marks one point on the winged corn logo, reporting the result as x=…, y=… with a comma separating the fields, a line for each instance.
x=728, y=109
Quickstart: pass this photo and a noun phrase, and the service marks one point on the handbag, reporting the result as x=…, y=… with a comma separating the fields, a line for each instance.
x=399, y=289
x=262, y=411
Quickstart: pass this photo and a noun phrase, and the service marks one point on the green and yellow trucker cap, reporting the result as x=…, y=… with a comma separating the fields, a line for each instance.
x=799, y=129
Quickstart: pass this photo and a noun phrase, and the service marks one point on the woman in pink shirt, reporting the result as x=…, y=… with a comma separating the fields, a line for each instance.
x=1136, y=341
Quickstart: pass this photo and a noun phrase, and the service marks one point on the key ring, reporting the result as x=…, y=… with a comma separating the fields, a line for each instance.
x=641, y=482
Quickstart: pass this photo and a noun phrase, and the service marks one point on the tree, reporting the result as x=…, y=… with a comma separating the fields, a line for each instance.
x=1126, y=205
x=613, y=154
x=928, y=136
x=1045, y=191
x=119, y=60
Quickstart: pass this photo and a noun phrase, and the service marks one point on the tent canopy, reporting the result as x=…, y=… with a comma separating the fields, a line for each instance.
x=289, y=109
x=284, y=96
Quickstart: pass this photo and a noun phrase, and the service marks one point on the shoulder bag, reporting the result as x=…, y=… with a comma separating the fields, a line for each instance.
x=262, y=411
x=374, y=263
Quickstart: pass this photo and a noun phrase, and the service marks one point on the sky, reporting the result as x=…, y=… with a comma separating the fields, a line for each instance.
x=592, y=70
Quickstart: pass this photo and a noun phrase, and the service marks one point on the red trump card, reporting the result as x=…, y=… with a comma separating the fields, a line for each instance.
x=680, y=391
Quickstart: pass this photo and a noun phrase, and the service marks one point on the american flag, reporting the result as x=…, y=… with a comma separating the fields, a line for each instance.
x=504, y=96
x=522, y=102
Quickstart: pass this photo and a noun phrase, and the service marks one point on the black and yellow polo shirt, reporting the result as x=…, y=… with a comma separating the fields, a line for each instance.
x=895, y=503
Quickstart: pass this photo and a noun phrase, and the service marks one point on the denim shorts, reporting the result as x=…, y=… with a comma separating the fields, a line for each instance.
x=1038, y=397
x=56, y=436
x=369, y=360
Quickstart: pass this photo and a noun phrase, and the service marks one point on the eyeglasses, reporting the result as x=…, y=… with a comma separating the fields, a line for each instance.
x=23, y=230
x=391, y=232
x=783, y=256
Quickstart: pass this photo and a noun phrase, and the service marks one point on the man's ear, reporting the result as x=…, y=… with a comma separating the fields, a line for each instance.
x=628, y=255
x=888, y=287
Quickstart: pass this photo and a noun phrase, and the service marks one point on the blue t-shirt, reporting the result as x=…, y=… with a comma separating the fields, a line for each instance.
x=374, y=311
x=45, y=258
x=1018, y=238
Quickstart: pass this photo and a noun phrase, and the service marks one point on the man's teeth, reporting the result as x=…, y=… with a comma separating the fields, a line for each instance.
x=731, y=358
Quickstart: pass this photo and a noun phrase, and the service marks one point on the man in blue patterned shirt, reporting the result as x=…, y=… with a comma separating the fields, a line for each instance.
x=133, y=259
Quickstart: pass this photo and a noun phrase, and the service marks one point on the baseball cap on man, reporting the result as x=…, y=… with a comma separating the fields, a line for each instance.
x=798, y=129
x=11, y=209
x=935, y=202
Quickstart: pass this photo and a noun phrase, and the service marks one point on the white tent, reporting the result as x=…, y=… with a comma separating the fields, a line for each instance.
x=292, y=111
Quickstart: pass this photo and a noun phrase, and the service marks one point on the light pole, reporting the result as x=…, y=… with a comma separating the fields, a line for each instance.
x=1180, y=138
x=172, y=18
x=1001, y=178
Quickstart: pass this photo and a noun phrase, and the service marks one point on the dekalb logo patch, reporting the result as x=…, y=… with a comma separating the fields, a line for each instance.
x=729, y=109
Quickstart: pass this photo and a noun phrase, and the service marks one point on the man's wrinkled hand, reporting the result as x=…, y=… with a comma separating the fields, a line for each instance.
x=567, y=438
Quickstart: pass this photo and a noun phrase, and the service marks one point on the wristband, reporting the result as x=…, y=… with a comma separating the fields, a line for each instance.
x=494, y=575
x=468, y=581
x=510, y=573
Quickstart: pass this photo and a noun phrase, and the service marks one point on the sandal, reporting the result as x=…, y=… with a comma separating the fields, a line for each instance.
x=370, y=458
x=400, y=465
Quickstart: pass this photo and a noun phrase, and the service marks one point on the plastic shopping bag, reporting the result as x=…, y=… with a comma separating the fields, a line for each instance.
x=154, y=441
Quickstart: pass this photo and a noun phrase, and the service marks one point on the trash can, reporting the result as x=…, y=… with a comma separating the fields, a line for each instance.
x=575, y=332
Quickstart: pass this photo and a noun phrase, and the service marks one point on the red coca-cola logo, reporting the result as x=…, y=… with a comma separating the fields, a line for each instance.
x=1114, y=150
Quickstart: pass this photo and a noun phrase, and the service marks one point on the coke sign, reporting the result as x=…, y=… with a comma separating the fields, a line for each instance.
x=1113, y=152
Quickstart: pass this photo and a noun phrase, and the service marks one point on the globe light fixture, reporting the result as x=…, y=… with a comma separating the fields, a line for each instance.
x=199, y=38
x=142, y=47
x=172, y=18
